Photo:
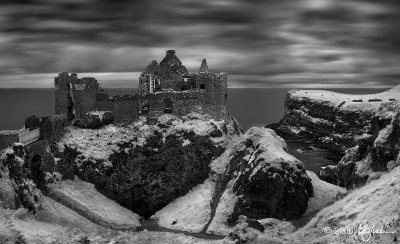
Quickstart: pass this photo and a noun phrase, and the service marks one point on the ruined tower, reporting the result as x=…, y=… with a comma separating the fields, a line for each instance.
x=73, y=96
x=204, y=67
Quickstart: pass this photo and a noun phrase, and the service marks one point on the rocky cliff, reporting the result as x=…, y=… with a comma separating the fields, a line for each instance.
x=332, y=120
x=269, y=182
x=16, y=185
x=146, y=166
x=376, y=151
x=254, y=178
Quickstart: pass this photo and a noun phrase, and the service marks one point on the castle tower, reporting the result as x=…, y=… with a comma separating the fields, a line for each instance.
x=204, y=67
x=73, y=96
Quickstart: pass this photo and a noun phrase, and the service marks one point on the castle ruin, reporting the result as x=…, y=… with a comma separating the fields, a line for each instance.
x=165, y=87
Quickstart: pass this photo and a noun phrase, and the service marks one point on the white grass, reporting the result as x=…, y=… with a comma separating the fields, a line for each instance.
x=99, y=144
x=324, y=194
x=335, y=99
x=86, y=194
x=189, y=212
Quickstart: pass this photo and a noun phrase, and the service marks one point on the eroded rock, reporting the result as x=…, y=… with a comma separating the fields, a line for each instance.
x=269, y=182
x=377, y=150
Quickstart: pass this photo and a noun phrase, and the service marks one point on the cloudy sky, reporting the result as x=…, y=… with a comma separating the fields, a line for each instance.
x=260, y=43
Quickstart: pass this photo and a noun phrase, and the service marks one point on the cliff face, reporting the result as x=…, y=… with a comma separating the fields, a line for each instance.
x=376, y=151
x=254, y=177
x=16, y=184
x=146, y=166
x=332, y=120
x=269, y=182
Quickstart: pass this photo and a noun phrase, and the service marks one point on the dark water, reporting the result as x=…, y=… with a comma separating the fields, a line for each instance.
x=251, y=107
x=312, y=158
x=17, y=104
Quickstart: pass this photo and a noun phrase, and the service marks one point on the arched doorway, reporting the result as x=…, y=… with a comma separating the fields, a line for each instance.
x=36, y=169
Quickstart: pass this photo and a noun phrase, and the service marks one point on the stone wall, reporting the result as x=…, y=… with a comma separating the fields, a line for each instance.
x=207, y=94
x=81, y=92
x=53, y=128
x=84, y=95
x=215, y=86
x=125, y=111
x=42, y=149
x=32, y=122
x=62, y=90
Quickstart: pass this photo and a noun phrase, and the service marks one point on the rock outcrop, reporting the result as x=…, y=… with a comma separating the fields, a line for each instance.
x=8, y=196
x=268, y=182
x=17, y=188
x=146, y=166
x=255, y=177
x=332, y=120
x=376, y=151
x=369, y=214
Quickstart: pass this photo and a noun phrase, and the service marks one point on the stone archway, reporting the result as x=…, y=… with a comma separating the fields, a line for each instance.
x=36, y=168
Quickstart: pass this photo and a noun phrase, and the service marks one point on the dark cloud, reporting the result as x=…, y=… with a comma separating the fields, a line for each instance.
x=265, y=43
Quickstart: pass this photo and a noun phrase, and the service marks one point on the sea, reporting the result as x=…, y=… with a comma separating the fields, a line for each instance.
x=250, y=106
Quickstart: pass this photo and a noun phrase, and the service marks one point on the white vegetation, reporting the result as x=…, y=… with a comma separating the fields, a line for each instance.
x=58, y=224
x=99, y=144
x=195, y=206
x=378, y=203
x=189, y=212
x=224, y=209
x=324, y=194
x=335, y=99
x=86, y=195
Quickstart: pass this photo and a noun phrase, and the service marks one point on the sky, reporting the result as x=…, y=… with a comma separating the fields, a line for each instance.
x=259, y=43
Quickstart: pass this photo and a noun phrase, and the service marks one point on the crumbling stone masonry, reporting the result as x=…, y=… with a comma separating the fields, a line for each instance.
x=166, y=87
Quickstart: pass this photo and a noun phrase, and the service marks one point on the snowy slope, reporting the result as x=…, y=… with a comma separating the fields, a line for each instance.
x=374, y=206
x=189, y=212
x=336, y=99
x=86, y=194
